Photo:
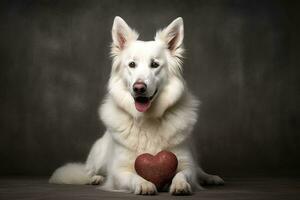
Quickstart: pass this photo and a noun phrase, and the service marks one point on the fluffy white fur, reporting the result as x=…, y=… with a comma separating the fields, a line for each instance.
x=167, y=125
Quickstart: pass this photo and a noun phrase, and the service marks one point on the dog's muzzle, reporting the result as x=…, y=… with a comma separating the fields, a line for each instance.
x=139, y=88
x=142, y=102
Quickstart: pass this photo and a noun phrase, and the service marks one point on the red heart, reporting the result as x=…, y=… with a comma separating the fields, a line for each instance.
x=158, y=169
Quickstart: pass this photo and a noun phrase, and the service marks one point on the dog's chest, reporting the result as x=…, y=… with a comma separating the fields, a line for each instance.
x=149, y=136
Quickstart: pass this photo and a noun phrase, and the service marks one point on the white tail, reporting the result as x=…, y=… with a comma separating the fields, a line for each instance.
x=70, y=173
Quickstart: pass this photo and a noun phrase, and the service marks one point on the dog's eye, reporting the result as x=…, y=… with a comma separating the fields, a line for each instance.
x=132, y=64
x=154, y=64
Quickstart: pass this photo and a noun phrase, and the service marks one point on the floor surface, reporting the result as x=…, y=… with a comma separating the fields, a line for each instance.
x=235, y=188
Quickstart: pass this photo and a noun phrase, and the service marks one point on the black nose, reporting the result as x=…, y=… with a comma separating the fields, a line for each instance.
x=139, y=87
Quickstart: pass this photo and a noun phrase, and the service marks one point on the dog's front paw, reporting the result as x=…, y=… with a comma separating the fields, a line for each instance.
x=145, y=188
x=97, y=179
x=180, y=187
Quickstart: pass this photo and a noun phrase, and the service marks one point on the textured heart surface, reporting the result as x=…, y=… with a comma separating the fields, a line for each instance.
x=158, y=169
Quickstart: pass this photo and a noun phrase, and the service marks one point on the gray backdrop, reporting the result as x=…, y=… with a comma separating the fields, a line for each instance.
x=241, y=61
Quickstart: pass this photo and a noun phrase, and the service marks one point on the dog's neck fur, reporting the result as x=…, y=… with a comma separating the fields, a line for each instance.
x=168, y=122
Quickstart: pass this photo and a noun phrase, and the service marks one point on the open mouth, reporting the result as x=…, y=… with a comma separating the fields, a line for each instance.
x=143, y=103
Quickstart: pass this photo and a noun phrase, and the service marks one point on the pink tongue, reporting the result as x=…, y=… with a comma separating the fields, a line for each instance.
x=142, y=107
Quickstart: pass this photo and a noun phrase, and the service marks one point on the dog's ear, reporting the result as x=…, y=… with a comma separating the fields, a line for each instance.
x=172, y=35
x=122, y=34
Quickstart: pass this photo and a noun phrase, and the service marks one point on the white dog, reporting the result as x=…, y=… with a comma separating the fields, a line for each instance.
x=147, y=109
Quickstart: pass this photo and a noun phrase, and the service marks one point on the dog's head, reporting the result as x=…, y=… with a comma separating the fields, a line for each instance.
x=142, y=70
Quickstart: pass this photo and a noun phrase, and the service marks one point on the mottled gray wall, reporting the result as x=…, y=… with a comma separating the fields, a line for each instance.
x=242, y=62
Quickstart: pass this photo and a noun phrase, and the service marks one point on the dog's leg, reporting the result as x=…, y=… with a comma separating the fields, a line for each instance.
x=134, y=183
x=182, y=183
x=185, y=180
x=97, y=160
x=208, y=179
